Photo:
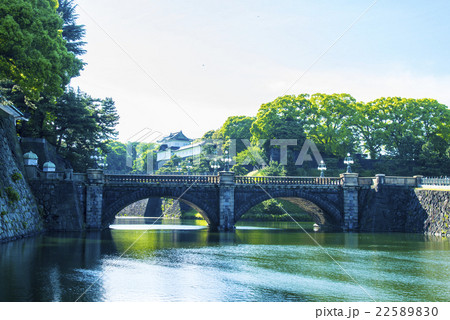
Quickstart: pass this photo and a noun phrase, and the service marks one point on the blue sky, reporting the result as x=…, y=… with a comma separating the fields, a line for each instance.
x=172, y=65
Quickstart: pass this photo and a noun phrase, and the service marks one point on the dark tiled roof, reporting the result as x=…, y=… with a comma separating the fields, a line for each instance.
x=175, y=136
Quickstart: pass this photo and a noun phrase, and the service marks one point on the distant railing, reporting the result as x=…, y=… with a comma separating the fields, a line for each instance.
x=435, y=181
x=400, y=181
x=123, y=178
x=288, y=180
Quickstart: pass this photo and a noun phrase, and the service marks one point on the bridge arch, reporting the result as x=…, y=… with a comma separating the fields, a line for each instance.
x=114, y=204
x=321, y=210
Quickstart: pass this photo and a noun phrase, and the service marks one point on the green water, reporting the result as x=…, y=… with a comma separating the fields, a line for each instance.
x=170, y=261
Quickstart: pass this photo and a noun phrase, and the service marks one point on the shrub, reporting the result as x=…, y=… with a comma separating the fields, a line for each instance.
x=12, y=194
x=16, y=176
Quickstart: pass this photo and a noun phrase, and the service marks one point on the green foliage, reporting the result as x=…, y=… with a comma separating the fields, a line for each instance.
x=32, y=51
x=81, y=126
x=116, y=157
x=252, y=155
x=273, y=169
x=12, y=194
x=283, y=118
x=270, y=210
x=328, y=123
x=72, y=33
x=191, y=214
x=144, y=152
x=272, y=206
x=16, y=176
x=392, y=130
x=237, y=128
x=3, y=213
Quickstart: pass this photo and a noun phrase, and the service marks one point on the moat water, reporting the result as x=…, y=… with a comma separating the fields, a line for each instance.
x=183, y=261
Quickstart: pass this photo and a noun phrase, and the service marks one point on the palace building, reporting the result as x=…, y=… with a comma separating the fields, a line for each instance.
x=177, y=144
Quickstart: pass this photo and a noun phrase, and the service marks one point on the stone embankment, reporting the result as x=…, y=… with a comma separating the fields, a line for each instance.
x=19, y=214
x=436, y=204
x=393, y=209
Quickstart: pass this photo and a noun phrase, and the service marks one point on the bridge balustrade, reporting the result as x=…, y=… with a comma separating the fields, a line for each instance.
x=112, y=178
x=365, y=181
x=400, y=181
x=435, y=181
x=288, y=180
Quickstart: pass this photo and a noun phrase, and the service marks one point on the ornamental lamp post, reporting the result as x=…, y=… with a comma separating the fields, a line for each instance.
x=179, y=169
x=348, y=161
x=215, y=166
x=322, y=167
x=227, y=161
x=99, y=161
x=189, y=167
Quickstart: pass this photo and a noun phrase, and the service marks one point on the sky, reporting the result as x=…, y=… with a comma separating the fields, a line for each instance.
x=175, y=65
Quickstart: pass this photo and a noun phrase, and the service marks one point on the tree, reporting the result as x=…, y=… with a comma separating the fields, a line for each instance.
x=144, y=154
x=116, y=157
x=282, y=118
x=328, y=123
x=404, y=125
x=107, y=119
x=273, y=169
x=235, y=127
x=71, y=31
x=80, y=129
x=368, y=131
x=253, y=156
x=32, y=51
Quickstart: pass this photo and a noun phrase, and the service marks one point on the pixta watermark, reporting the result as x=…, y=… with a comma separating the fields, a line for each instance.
x=213, y=149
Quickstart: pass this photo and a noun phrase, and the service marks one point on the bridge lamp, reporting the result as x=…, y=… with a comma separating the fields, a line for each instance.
x=215, y=166
x=179, y=168
x=189, y=167
x=227, y=161
x=99, y=161
x=322, y=167
x=348, y=161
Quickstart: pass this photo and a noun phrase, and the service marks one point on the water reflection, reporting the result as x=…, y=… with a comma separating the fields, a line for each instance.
x=262, y=262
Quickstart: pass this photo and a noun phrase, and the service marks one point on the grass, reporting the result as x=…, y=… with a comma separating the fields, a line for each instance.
x=191, y=215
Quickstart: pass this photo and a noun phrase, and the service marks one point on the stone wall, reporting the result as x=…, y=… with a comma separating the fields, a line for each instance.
x=397, y=209
x=436, y=204
x=62, y=204
x=19, y=214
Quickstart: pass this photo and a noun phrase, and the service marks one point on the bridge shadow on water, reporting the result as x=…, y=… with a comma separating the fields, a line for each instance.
x=173, y=254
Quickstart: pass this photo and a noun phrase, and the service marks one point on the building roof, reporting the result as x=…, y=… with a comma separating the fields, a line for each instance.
x=175, y=136
x=13, y=111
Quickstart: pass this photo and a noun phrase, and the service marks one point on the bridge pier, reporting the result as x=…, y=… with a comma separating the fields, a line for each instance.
x=350, y=188
x=94, y=199
x=226, y=201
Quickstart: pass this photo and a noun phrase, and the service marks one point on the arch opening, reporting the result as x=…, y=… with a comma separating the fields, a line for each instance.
x=112, y=209
x=321, y=211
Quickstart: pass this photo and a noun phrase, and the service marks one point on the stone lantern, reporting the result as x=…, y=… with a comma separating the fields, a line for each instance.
x=49, y=167
x=30, y=159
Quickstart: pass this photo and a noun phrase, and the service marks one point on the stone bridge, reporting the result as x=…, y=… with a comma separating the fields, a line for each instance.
x=75, y=201
x=223, y=199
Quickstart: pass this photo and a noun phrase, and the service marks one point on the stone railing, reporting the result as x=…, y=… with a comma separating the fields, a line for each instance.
x=400, y=181
x=79, y=177
x=52, y=175
x=366, y=181
x=118, y=178
x=288, y=180
x=435, y=181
